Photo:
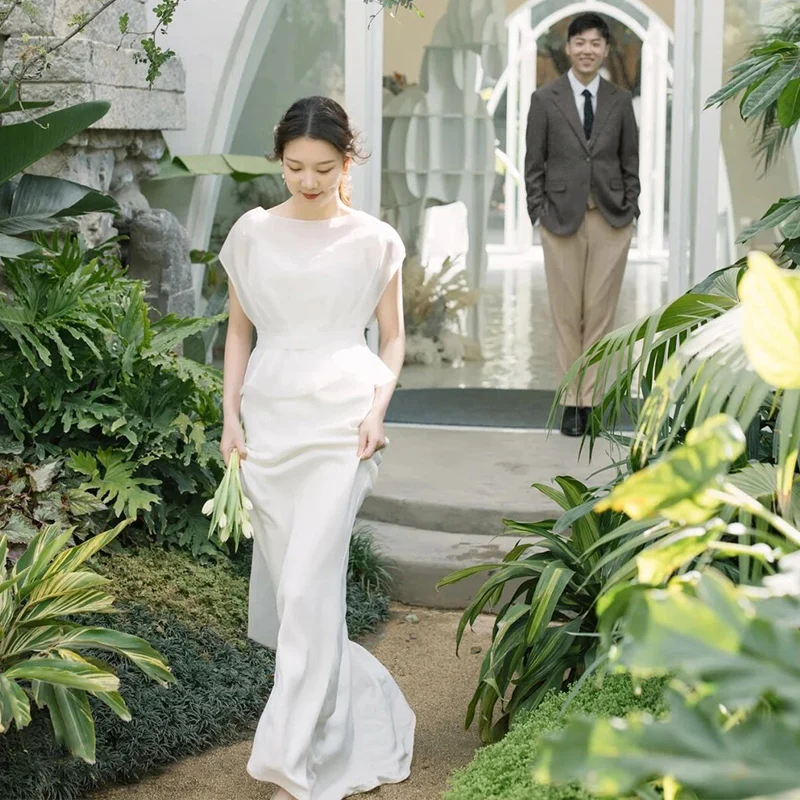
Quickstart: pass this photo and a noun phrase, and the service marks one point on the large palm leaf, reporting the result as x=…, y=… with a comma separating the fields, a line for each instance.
x=36, y=203
x=769, y=82
x=40, y=203
x=734, y=364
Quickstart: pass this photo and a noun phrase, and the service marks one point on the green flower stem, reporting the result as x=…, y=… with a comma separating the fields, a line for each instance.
x=230, y=504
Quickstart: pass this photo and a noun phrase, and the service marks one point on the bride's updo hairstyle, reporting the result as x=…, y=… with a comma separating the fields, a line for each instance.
x=319, y=118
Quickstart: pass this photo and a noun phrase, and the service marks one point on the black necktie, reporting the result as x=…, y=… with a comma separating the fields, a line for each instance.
x=588, y=113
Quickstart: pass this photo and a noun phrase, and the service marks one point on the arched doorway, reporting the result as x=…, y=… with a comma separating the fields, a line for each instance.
x=526, y=26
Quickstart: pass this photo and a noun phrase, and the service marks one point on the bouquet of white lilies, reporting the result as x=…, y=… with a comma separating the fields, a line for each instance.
x=229, y=508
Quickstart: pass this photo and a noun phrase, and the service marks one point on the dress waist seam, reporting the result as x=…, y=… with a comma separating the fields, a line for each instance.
x=311, y=341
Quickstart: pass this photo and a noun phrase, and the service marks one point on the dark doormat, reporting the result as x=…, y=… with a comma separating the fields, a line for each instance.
x=476, y=407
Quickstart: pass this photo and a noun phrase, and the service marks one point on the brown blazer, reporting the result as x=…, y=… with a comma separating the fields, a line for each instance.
x=562, y=167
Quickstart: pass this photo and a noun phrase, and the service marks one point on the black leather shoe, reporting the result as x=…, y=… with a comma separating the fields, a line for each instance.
x=573, y=423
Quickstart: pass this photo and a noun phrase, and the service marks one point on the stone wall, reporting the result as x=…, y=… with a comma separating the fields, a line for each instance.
x=93, y=66
x=121, y=150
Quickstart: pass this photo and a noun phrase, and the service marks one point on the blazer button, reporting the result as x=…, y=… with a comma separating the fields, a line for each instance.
x=588, y=158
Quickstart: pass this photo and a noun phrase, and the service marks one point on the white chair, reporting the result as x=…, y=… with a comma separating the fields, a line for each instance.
x=445, y=233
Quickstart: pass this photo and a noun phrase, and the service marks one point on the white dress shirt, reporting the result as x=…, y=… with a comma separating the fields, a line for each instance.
x=578, y=89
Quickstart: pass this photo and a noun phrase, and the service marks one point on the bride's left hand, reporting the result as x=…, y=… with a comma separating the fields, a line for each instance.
x=371, y=436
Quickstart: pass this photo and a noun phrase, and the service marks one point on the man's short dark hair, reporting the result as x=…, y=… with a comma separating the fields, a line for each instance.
x=588, y=22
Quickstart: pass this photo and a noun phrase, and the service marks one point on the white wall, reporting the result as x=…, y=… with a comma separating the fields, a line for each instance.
x=221, y=46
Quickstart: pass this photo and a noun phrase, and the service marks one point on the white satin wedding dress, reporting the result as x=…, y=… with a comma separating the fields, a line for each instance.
x=336, y=722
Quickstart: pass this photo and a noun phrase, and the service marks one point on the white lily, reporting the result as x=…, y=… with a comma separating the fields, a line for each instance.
x=229, y=508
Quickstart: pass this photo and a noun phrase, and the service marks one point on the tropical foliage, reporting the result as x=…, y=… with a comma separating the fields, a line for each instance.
x=769, y=82
x=545, y=597
x=36, y=203
x=87, y=377
x=33, y=495
x=45, y=657
x=732, y=652
x=711, y=384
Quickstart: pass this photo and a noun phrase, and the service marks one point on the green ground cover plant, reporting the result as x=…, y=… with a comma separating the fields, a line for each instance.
x=503, y=771
x=215, y=595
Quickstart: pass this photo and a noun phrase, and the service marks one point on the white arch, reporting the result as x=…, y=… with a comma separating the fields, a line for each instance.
x=519, y=80
x=252, y=38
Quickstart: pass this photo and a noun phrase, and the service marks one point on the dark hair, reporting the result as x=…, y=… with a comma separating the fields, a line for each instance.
x=588, y=22
x=318, y=118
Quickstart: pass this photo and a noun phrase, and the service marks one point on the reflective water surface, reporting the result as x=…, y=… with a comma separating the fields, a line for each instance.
x=518, y=340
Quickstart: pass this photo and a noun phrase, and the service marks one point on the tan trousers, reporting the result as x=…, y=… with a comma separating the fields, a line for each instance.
x=584, y=277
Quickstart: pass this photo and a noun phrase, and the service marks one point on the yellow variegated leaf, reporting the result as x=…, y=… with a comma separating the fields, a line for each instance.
x=71, y=559
x=70, y=674
x=62, y=584
x=771, y=302
x=113, y=700
x=83, y=601
x=14, y=705
x=677, y=487
x=71, y=717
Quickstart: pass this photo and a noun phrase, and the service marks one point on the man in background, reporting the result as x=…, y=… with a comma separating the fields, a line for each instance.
x=582, y=181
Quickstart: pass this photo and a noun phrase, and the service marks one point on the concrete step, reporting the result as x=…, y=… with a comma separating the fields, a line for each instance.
x=465, y=481
x=419, y=559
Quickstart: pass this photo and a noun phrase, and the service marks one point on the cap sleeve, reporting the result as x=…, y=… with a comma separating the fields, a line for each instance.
x=393, y=257
x=233, y=255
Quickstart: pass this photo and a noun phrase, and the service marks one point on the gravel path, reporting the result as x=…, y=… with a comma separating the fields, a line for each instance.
x=421, y=656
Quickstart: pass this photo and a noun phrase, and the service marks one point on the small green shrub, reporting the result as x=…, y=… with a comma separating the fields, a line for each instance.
x=503, y=771
x=216, y=596
x=87, y=376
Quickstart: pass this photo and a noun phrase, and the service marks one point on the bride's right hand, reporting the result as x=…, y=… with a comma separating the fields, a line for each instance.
x=232, y=439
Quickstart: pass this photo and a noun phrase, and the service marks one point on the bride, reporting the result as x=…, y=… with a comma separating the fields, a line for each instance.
x=311, y=275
